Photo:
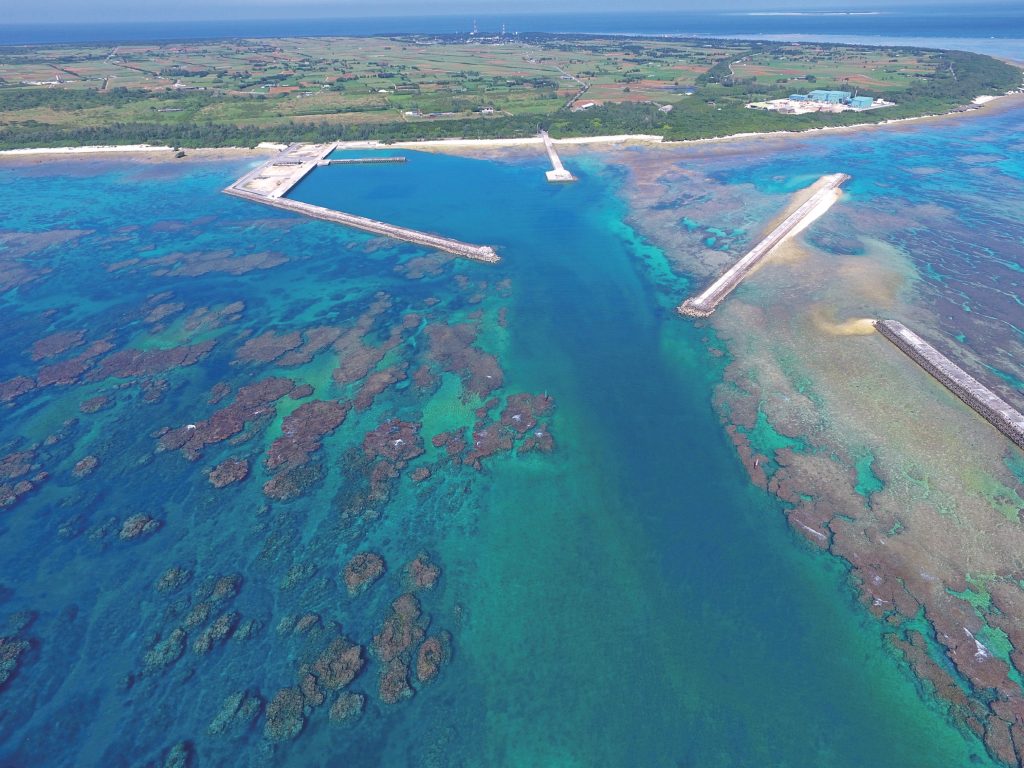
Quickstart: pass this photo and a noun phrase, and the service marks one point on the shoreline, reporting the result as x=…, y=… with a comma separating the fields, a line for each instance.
x=983, y=105
x=148, y=152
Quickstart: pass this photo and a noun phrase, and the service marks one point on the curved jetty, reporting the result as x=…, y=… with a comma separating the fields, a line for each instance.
x=269, y=184
x=703, y=304
x=988, y=405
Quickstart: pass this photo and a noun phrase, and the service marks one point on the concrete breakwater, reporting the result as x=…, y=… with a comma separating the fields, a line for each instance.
x=703, y=304
x=476, y=252
x=984, y=401
x=558, y=173
x=269, y=183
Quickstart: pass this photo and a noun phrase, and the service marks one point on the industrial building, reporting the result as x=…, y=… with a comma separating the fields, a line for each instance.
x=820, y=101
x=830, y=97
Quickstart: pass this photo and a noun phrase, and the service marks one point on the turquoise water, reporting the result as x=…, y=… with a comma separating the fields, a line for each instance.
x=946, y=196
x=627, y=599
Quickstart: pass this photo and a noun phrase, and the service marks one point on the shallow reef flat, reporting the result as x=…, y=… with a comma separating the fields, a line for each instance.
x=877, y=463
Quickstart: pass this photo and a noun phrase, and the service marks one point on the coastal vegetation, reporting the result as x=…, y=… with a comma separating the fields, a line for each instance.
x=241, y=92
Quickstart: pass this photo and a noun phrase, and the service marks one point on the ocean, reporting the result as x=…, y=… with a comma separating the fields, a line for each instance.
x=612, y=588
x=606, y=535
x=977, y=22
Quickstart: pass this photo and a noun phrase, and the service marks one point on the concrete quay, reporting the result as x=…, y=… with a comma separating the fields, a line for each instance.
x=703, y=304
x=984, y=401
x=276, y=177
x=269, y=184
x=363, y=161
x=558, y=174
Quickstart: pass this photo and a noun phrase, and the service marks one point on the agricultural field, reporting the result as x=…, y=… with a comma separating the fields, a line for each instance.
x=876, y=69
x=321, y=77
x=243, y=91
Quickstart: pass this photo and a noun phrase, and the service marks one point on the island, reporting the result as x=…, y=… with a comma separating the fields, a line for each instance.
x=239, y=92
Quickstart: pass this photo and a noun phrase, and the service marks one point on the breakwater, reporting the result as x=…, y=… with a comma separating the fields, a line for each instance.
x=703, y=304
x=476, y=252
x=558, y=173
x=269, y=183
x=984, y=401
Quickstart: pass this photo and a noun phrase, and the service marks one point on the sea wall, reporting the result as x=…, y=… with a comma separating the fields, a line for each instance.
x=703, y=304
x=484, y=253
x=986, y=403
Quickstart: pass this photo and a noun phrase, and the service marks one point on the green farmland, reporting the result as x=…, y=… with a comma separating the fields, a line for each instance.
x=240, y=92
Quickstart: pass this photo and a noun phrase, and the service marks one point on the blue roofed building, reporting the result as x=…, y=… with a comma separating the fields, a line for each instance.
x=820, y=101
x=830, y=97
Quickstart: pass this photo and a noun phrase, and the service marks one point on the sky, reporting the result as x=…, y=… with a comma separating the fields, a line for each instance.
x=79, y=11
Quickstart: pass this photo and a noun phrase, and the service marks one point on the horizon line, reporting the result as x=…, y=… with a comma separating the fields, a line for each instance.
x=972, y=9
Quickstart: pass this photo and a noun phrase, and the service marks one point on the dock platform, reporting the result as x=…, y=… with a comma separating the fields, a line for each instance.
x=276, y=177
x=984, y=401
x=703, y=304
x=270, y=183
x=558, y=174
x=363, y=161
